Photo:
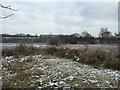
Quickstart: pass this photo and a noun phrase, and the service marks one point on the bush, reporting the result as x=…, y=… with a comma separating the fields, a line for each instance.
x=20, y=80
x=54, y=41
x=112, y=64
x=72, y=53
x=20, y=49
x=100, y=58
x=7, y=52
x=51, y=50
x=25, y=49
x=61, y=53
x=20, y=73
x=97, y=58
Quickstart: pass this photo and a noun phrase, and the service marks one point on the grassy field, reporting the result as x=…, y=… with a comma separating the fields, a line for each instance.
x=72, y=46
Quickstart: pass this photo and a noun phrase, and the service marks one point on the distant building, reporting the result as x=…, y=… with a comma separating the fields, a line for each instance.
x=46, y=38
x=6, y=38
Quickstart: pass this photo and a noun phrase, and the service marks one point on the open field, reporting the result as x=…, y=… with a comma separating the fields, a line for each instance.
x=12, y=45
x=72, y=46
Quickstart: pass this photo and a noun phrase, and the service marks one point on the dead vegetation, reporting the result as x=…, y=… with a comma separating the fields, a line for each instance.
x=18, y=74
x=23, y=49
x=25, y=70
x=98, y=58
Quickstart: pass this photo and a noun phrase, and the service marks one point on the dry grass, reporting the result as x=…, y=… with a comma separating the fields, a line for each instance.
x=21, y=73
x=98, y=58
x=20, y=49
x=18, y=74
x=20, y=80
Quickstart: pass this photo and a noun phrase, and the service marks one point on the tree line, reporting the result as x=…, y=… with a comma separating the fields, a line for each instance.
x=104, y=37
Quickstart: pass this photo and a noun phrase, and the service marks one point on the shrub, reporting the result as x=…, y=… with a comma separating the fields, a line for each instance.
x=20, y=80
x=51, y=50
x=19, y=73
x=112, y=64
x=97, y=58
x=25, y=49
x=72, y=53
x=61, y=52
x=100, y=58
x=20, y=49
x=54, y=42
x=7, y=52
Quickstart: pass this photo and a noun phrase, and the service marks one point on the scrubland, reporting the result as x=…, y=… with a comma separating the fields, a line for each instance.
x=28, y=66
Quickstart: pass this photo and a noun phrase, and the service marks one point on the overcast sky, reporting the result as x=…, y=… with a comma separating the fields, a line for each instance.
x=60, y=17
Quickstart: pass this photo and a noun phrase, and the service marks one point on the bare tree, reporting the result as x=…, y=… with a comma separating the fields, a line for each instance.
x=104, y=33
x=9, y=8
x=86, y=34
x=55, y=41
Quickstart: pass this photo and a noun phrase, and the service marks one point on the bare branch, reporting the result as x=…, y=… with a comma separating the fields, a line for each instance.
x=8, y=7
x=4, y=17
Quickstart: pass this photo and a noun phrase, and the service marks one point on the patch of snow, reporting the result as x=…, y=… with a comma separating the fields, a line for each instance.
x=70, y=77
x=1, y=77
x=78, y=59
x=53, y=84
x=39, y=87
x=92, y=81
x=61, y=82
x=107, y=82
x=76, y=85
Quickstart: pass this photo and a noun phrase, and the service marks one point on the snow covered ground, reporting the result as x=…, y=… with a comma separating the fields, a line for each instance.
x=56, y=72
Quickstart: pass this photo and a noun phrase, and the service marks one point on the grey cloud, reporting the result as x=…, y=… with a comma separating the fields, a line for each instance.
x=61, y=18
